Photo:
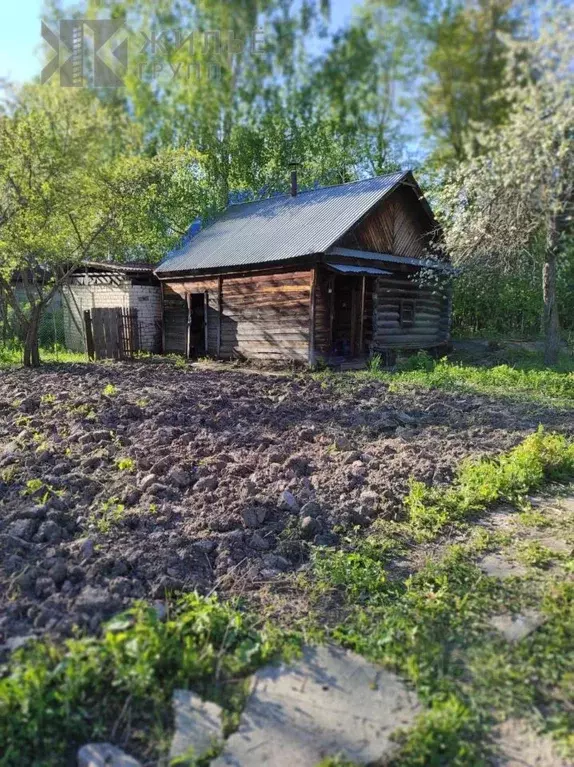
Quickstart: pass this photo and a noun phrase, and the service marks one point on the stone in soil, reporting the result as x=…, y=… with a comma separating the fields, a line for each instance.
x=198, y=725
x=104, y=755
x=557, y=545
x=517, y=627
x=517, y=745
x=497, y=566
x=288, y=502
x=330, y=702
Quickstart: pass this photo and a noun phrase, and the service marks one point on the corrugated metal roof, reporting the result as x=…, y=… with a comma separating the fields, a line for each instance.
x=129, y=266
x=351, y=269
x=280, y=228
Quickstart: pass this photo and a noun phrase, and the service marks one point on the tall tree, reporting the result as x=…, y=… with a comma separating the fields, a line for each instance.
x=520, y=189
x=67, y=195
x=361, y=82
x=461, y=60
x=204, y=63
x=465, y=70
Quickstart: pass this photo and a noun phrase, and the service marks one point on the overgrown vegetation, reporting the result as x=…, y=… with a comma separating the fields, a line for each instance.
x=523, y=376
x=542, y=457
x=432, y=627
x=54, y=697
x=12, y=355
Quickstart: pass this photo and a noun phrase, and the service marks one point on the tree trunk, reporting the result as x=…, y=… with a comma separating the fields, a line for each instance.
x=31, y=350
x=551, y=320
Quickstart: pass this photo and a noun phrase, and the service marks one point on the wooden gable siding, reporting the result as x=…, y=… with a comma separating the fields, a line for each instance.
x=255, y=316
x=431, y=315
x=398, y=225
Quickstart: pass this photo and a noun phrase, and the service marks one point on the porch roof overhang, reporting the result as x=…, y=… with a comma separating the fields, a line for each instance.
x=358, y=270
x=388, y=258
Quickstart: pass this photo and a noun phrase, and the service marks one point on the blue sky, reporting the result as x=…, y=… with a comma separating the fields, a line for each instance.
x=20, y=35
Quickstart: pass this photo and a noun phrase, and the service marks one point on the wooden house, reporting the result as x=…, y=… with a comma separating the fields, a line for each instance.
x=332, y=273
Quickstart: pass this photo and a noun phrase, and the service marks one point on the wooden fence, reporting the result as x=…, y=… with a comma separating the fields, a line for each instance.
x=112, y=333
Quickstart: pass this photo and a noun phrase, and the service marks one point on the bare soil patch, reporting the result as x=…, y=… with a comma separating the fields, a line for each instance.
x=132, y=480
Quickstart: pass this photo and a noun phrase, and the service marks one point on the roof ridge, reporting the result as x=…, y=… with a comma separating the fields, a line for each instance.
x=282, y=195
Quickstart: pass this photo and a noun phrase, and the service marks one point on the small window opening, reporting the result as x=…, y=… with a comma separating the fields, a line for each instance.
x=407, y=314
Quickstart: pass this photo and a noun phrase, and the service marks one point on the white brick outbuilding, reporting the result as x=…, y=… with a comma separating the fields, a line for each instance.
x=97, y=285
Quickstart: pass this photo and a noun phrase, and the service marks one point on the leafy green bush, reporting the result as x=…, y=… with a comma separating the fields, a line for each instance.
x=541, y=457
x=54, y=697
x=420, y=361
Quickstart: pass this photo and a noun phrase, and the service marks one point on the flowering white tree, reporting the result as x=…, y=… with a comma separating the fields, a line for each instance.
x=519, y=190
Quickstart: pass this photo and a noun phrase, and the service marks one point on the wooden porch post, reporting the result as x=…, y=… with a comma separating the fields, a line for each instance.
x=219, y=312
x=362, y=311
x=188, y=333
x=312, y=317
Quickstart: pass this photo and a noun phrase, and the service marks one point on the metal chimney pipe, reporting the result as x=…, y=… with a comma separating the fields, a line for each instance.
x=294, y=182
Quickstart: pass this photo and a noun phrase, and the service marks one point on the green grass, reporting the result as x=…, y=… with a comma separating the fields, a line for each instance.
x=433, y=630
x=108, y=514
x=541, y=457
x=126, y=464
x=503, y=379
x=523, y=377
x=55, y=697
x=432, y=627
x=11, y=356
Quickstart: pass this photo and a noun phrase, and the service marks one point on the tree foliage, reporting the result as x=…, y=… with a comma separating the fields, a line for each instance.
x=74, y=185
x=520, y=189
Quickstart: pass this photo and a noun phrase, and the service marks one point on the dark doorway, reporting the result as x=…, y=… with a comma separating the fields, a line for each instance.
x=196, y=324
x=351, y=315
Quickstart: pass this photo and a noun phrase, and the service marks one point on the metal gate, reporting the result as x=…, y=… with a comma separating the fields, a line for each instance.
x=112, y=333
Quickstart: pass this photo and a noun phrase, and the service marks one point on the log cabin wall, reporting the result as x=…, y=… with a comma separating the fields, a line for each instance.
x=399, y=225
x=392, y=325
x=256, y=316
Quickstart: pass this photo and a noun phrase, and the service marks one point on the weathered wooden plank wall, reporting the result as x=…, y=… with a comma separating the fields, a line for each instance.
x=174, y=321
x=266, y=316
x=431, y=317
x=254, y=316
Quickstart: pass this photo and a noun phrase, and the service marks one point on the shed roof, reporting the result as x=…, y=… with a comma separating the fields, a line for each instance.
x=111, y=266
x=281, y=228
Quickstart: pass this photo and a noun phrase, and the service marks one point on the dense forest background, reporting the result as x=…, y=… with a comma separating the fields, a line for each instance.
x=220, y=97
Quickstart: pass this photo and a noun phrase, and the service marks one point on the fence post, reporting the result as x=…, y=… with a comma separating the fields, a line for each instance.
x=89, y=334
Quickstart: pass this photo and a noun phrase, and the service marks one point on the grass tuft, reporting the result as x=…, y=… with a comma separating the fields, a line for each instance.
x=55, y=697
x=542, y=457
